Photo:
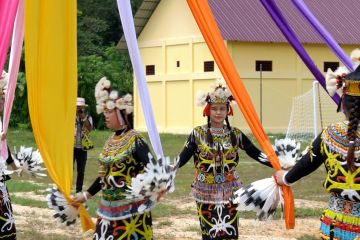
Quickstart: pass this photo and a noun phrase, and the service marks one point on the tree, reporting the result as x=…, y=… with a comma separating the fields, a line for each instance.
x=115, y=65
x=99, y=25
x=99, y=30
x=90, y=31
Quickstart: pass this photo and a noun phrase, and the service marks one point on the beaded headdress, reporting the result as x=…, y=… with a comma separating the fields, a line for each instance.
x=219, y=94
x=110, y=99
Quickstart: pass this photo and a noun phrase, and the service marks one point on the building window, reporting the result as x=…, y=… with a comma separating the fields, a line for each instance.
x=265, y=66
x=177, y=63
x=208, y=66
x=332, y=65
x=150, y=69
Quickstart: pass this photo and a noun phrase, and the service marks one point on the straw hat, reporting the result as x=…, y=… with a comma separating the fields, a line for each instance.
x=80, y=102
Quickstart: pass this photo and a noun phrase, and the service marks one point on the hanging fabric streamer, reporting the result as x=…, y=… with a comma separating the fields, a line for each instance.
x=127, y=22
x=14, y=62
x=211, y=33
x=8, y=10
x=330, y=41
x=51, y=74
x=290, y=35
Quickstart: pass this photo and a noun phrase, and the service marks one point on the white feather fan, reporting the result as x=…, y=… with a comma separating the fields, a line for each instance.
x=263, y=196
x=64, y=212
x=29, y=161
x=157, y=180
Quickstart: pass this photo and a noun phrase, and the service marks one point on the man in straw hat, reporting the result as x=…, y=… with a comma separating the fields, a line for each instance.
x=83, y=126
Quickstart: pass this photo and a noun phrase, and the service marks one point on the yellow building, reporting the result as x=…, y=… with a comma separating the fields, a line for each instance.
x=178, y=62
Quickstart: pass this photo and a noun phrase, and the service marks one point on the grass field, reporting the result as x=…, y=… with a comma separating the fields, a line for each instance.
x=308, y=189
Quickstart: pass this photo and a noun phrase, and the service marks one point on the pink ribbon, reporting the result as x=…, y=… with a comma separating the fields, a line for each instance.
x=14, y=62
x=7, y=15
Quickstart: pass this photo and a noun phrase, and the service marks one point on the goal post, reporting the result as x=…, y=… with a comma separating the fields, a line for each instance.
x=311, y=112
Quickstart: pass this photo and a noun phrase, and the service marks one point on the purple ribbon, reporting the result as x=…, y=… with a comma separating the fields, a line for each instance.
x=330, y=41
x=290, y=35
x=127, y=22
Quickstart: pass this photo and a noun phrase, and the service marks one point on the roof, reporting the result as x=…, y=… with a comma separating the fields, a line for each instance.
x=141, y=17
x=248, y=20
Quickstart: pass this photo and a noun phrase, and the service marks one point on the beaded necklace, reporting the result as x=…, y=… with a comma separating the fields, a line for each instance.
x=217, y=130
x=117, y=146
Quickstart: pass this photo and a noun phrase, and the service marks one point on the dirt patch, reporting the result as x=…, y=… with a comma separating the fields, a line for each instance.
x=41, y=220
x=187, y=228
x=184, y=227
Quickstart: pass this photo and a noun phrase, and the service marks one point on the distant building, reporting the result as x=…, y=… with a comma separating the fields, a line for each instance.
x=178, y=62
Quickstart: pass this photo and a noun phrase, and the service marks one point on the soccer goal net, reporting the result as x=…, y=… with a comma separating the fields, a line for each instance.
x=311, y=112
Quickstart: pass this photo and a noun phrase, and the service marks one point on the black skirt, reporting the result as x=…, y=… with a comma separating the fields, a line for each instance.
x=218, y=221
x=7, y=224
x=134, y=228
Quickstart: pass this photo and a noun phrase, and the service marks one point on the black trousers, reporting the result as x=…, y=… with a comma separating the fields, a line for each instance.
x=80, y=157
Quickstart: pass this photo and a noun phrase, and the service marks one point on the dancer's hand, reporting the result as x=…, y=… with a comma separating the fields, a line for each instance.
x=3, y=136
x=279, y=175
x=80, y=197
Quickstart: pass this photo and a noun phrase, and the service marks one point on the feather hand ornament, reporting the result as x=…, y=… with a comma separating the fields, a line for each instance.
x=64, y=212
x=263, y=196
x=157, y=180
x=29, y=161
x=287, y=151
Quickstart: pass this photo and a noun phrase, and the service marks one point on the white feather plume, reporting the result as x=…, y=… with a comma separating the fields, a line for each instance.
x=331, y=85
x=201, y=98
x=64, y=212
x=331, y=80
x=157, y=180
x=29, y=161
x=355, y=57
x=263, y=196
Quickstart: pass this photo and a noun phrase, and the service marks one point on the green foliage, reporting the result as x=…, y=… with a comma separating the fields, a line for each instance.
x=99, y=25
x=90, y=31
x=116, y=66
x=20, y=105
x=99, y=30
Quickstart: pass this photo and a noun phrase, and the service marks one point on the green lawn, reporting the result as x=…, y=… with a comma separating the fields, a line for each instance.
x=249, y=171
